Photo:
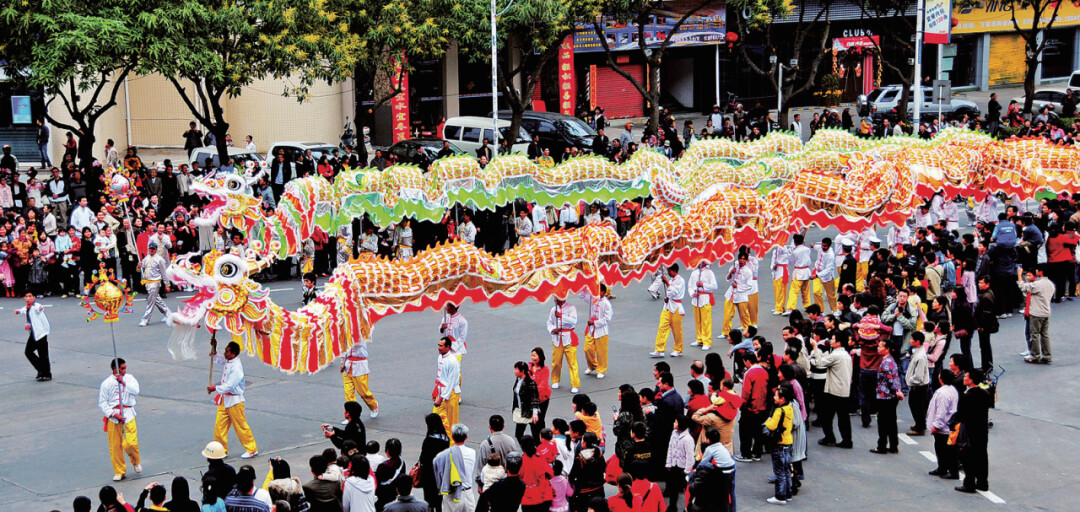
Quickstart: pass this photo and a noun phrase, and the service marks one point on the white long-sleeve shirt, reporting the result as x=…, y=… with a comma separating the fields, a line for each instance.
x=740, y=280
x=700, y=294
x=457, y=329
x=356, y=359
x=754, y=264
x=39, y=325
x=600, y=314
x=898, y=235
x=82, y=217
x=825, y=264
x=539, y=219
x=987, y=211
x=231, y=388
x=802, y=260
x=568, y=216
x=565, y=323
x=448, y=378
x=468, y=233
x=780, y=259
x=676, y=290
x=112, y=394
x=863, y=249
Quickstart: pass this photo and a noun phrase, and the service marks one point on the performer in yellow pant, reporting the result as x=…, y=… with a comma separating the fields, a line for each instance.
x=672, y=314
x=752, y=307
x=799, y=288
x=829, y=288
x=703, y=322
x=447, y=393
x=235, y=418
x=780, y=289
x=861, y=270
x=354, y=376
x=230, y=400
x=729, y=314
x=116, y=399
x=558, y=352
x=596, y=355
x=123, y=438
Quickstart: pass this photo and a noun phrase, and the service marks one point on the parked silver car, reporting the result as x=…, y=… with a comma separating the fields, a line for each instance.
x=884, y=101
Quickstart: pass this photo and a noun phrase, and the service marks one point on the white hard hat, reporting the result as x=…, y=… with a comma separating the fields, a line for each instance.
x=214, y=451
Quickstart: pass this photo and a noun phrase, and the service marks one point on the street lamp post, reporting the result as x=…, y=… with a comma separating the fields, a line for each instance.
x=920, y=9
x=495, y=72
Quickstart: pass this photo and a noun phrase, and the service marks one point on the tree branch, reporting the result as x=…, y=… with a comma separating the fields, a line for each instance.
x=190, y=105
x=611, y=62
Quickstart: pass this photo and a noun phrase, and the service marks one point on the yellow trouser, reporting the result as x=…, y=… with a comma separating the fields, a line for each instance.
x=729, y=314
x=233, y=417
x=460, y=376
x=123, y=438
x=703, y=322
x=753, y=302
x=596, y=353
x=570, y=351
x=829, y=287
x=448, y=411
x=798, y=288
x=359, y=386
x=669, y=322
x=779, y=288
x=861, y=270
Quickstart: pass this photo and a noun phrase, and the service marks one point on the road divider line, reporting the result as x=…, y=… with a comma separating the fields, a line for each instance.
x=929, y=456
x=907, y=440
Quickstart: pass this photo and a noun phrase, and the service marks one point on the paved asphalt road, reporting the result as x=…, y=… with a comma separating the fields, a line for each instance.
x=54, y=449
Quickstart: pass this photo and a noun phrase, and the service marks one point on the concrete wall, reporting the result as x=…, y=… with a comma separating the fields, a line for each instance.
x=158, y=116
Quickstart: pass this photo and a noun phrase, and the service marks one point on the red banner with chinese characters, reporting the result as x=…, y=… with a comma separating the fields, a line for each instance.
x=567, y=93
x=399, y=104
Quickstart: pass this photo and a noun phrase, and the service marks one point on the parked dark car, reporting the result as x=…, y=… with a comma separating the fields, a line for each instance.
x=557, y=131
x=420, y=152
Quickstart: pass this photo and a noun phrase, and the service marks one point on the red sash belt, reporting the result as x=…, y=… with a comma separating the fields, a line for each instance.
x=573, y=337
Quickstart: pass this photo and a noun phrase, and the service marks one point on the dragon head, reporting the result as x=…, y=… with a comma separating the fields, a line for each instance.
x=231, y=202
x=225, y=297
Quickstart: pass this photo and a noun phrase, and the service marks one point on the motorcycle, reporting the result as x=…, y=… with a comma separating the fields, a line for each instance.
x=348, y=136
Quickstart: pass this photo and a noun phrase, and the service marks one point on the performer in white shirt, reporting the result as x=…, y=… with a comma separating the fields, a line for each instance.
x=596, y=331
x=561, y=323
x=780, y=277
x=354, y=377
x=404, y=237
x=230, y=400
x=951, y=213
x=523, y=227
x=447, y=392
x=455, y=327
x=754, y=264
x=369, y=241
x=824, y=274
x=898, y=236
x=702, y=286
x=153, y=274
x=116, y=399
x=539, y=218
x=924, y=217
x=737, y=296
x=672, y=314
x=987, y=210
x=802, y=259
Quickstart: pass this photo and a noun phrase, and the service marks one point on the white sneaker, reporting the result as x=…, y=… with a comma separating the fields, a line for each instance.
x=600, y=375
x=555, y=385
x=138, y=468
x=375, y=414
x=117, y=478
x=722, y=337
x=786, y=313
x=776, y=501
x=144, y=323
x=344, y=422
x=589, y=372
x=1026, y=353
x=676, y=354
x=248, y=455
x=165, y=320
x=574, y=390
x=706, y=347
x=695, y=343
x=776, y=313
x=653, y=354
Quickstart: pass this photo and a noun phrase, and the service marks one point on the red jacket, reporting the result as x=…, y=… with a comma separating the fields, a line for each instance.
x=755, y=389
x=536, y=474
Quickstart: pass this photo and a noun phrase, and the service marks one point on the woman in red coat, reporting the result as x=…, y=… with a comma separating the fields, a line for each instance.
x=536, y=474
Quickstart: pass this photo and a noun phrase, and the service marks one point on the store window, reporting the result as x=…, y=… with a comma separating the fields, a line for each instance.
x=1058, y=56
x=965, y=62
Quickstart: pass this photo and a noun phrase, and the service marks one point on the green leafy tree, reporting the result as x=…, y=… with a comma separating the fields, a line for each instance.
x=216, y=47
x=641, y=13
x=786, y=41
x=386, y=32
x=1044, y=13
x=898, y=29
x=76, y=53
x=529, y=33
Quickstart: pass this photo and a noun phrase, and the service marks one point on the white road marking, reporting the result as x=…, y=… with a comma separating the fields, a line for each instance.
x=929, y=456
x=992, y=497
x=907, y=440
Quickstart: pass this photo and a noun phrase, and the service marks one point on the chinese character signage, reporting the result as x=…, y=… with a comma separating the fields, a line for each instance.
x=705, y=27
x=938, y=21
x=399, y=104
x=567, y=96
x=996, y=16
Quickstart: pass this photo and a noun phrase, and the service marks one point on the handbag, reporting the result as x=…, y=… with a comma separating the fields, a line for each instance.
x=519, y=418
x=416, y=474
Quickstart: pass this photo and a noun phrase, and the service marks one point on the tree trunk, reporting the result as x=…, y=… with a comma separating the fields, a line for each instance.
x=86, y=145
x=652, y=99
x=1029, y=83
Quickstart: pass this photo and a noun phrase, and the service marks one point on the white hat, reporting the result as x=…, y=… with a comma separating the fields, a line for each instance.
x=214, y=451
x=875, y=240
x=847, y=243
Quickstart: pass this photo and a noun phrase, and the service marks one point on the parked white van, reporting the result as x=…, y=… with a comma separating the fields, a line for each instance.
x=469, y=132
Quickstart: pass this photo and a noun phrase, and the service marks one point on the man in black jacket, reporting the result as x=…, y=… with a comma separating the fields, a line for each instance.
x=280, y=174
x=669, y=404
x=504, y=495
x=973, y=410
x=600, y=143
x=484, y=150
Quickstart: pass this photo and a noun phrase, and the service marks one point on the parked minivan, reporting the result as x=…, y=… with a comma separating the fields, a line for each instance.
x=468, y=133
x=1074, y=80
